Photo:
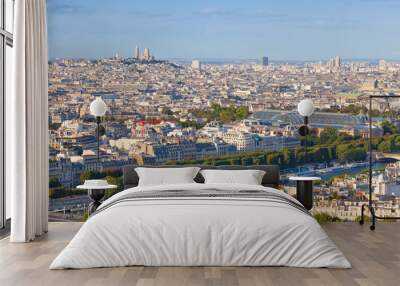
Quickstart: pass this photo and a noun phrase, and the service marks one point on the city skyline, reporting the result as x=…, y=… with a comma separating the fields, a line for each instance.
x=162, y=113
x=355, y=29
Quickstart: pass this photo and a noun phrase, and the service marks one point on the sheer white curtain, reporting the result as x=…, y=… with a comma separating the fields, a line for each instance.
x=27, y=119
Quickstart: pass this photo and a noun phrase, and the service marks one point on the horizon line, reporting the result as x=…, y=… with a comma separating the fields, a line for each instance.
x=220, y=59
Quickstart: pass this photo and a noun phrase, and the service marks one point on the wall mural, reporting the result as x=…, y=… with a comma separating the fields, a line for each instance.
x=205, y=84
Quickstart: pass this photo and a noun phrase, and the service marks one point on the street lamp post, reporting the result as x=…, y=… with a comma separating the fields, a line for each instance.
x=98, y=109
x=305, y=109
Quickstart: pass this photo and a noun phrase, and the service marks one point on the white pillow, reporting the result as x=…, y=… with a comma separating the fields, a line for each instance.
x=166, y=176
x=248, y=177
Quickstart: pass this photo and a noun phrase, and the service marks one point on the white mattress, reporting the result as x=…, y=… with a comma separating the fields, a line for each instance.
x=200, y=232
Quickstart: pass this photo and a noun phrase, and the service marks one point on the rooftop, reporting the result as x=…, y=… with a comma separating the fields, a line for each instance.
x=318, y=118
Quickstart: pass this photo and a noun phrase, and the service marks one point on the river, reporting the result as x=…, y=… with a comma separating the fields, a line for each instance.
x=328, y=173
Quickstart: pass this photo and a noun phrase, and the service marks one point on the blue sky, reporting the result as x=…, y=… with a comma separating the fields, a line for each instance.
x=280, y=29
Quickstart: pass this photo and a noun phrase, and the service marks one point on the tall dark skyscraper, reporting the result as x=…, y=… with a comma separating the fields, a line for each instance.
x=136, y=53
x=264, y=61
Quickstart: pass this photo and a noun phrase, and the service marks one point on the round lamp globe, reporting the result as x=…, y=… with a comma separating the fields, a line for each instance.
x=306, y=107
x=98, y=107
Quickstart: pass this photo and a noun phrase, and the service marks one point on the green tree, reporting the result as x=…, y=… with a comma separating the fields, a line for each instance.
x=62, y=192
x=289, y=157
x=326, y=154
x=343, y=152
x=54, y=126
x=388, y=128
x=222, y=162
x=91, y=175
x=54, y=182
x=300, y=155
x=274, y=158
x=167, y=111
x=385, y=146
x=396, y=143
x=328, y=136
x=260, y=160
x=323, y=217
x=118, y=181
x=241, y=112
x=226, y=116
x=349, y=153
x=215, y=107
x=359, y=154
x=314, y=155
x=191, y=123
x=236, y=161
x=247, y=161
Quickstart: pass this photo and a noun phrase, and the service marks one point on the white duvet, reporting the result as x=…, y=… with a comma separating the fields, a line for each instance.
x=200, y=231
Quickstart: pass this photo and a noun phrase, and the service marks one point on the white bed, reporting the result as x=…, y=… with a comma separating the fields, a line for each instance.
x=201, y=231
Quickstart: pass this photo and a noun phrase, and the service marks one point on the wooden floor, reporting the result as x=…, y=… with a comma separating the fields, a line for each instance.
x=375, y=257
